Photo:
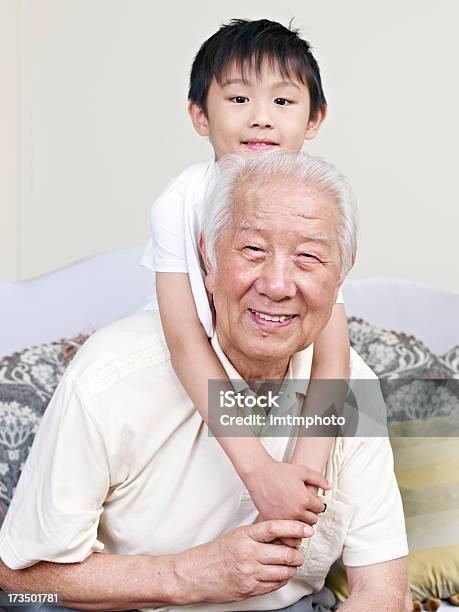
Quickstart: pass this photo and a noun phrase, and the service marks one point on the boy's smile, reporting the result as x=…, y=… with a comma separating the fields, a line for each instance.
x=253, y=112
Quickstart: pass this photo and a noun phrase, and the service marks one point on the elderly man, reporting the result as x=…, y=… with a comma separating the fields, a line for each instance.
x=123, y=464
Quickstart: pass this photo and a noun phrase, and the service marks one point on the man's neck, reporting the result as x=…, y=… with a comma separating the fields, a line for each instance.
x=250, y=369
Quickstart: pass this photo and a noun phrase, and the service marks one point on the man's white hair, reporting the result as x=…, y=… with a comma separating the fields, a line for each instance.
x=290, y=168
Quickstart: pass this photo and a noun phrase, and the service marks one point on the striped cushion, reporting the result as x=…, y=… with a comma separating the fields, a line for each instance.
x=422, y=412
x=427, y=470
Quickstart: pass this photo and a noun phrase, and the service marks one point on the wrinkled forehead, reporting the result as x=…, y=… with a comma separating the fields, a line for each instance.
x=260, y=193
x=278, y=206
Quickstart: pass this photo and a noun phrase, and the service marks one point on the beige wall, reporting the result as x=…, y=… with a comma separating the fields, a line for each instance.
x=93, y=106
x=9, y=142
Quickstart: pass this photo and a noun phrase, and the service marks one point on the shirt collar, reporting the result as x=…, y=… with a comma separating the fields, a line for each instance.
x=299, y=368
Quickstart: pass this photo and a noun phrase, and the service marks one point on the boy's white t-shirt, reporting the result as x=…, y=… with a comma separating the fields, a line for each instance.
x=176, y=220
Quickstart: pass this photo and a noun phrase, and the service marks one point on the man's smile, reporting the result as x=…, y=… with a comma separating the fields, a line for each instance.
x=271, y=319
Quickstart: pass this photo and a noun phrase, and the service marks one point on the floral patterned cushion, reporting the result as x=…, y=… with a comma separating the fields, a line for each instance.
x=416, y=384
x=27, y=382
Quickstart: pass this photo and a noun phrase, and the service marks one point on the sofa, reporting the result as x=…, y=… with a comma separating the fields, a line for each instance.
x=408, y=333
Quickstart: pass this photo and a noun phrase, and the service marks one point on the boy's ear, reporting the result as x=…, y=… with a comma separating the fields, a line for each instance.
x=209, y=281
x=313, y=126
x=198, y=118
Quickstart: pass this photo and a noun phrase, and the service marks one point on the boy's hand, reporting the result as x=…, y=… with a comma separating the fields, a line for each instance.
x=286, y=491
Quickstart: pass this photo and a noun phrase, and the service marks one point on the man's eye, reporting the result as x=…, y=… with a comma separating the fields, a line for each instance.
x=310, y=257
x=240, y=99
x=253, y=250
x=282, y=101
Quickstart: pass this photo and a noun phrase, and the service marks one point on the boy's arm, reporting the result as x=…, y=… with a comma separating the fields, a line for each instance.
x=277, y=489
x=330, y=361
x=195, y=363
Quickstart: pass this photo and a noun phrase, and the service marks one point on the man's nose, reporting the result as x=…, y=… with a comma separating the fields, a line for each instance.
x=260, y=115
x=276, y=280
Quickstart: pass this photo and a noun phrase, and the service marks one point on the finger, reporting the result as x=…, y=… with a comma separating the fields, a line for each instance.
x=267, y=531
x=314, y=504
x=275, y=573
x=312, y=490
x=296, y=542
x=272, y=554
x=310, y=518
x=292, y=542
x=314, y=478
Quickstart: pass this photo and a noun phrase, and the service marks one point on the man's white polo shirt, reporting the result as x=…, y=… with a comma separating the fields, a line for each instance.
x=123, y=464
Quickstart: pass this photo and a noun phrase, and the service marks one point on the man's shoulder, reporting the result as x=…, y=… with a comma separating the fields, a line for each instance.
x=127, y=346
x=358, y=368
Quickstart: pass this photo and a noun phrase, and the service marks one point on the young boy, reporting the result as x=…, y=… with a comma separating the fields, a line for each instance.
x=254, y=85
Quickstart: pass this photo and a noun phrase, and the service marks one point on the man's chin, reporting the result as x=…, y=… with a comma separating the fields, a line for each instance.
x=268, y=352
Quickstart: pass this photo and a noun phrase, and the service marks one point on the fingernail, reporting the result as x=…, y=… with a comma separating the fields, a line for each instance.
x=308, y=530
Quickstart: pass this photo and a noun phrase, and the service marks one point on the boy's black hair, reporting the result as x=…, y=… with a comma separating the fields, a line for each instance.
x=249, y=44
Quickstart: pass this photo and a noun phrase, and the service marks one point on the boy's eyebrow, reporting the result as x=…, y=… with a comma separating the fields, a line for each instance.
x=280, y=84
x=237, y=81
x=277, y=85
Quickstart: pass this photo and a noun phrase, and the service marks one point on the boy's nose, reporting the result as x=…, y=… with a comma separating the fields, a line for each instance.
x=260, y=116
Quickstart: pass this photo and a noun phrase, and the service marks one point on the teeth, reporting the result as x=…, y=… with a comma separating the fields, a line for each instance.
x=276, y=318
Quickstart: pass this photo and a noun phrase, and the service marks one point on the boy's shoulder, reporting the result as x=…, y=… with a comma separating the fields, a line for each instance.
x=192, y=175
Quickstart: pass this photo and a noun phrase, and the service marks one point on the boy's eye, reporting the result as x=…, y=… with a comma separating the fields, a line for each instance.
x=282, y=101
x=240, y=99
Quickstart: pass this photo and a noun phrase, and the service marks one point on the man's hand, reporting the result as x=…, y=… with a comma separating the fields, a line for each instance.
x=240, y=564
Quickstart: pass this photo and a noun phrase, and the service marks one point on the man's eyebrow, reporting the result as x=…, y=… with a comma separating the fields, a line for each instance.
x=248, y=225
x=321, y=237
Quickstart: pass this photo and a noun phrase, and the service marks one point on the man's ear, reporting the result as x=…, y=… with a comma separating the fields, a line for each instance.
x=340, y=282
x=210, y=272
x=198, y=118
x=313, y=126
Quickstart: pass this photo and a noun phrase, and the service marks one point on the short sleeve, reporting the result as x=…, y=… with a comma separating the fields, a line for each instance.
x=165, y=251
x=55, y=511
x=377, y=530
